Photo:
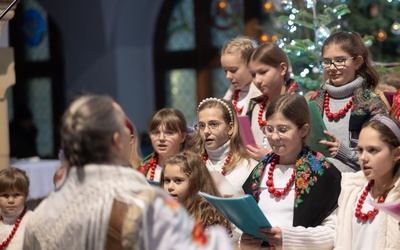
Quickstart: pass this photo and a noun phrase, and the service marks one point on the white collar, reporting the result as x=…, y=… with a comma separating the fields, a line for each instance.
x=219, y=153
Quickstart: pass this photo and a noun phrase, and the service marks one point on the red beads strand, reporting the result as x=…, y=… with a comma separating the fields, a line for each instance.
x=235, y=101
x=372, y=213
x=262, y=122
x=5, y=243
x=226, y=162
x=152, y=164
x=270, y=181
x=342, y=112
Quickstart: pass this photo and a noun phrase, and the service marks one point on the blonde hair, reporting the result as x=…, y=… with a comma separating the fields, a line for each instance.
x=241, y=45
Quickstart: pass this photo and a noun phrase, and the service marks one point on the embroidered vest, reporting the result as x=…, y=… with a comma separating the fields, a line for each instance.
x=316, y=196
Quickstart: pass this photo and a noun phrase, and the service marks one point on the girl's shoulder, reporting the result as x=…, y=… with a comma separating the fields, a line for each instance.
x=367, y=99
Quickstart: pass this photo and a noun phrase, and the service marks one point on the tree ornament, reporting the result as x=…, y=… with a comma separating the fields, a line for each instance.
x=323, y=32
x=287, y=5
x=381, y=36
x=309, y=4
x=268, y=6
x=395, y=29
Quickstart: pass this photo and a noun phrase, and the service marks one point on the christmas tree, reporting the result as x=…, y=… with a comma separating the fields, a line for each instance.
x=302, y=26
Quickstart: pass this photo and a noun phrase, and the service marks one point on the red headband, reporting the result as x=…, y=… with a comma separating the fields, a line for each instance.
x=129, y=125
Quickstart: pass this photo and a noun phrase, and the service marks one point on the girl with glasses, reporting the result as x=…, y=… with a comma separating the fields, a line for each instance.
x=234, y=56
x=167, y=131
x=219, y=144
x=349, y=96
x=296, y=188
x=269, y=66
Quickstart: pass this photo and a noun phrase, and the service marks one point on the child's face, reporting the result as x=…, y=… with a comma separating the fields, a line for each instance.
x=284, y=137
x=375, y=157
x=166, y=142
x=344, y=73
x=268, y=79
x=12, y=201
x=176, y=182
x=236, y=71
x=216, y=131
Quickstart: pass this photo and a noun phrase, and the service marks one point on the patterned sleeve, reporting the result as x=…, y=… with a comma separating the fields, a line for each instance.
x=395, y=108
x=169, y=226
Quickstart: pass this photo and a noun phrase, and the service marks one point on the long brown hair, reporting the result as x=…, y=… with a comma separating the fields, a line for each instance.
x=200, y=179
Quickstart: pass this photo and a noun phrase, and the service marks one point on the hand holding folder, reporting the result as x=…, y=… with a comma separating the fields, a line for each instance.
x=244, y=212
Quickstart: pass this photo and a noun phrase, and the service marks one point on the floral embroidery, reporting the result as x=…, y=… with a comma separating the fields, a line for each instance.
x=173, y=204
x=315, y=94
x=309, y=166
x=395, y=108
x=198, y=235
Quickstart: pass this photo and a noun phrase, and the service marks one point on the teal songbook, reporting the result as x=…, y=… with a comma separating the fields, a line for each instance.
x=153, y=183
x=243, y=211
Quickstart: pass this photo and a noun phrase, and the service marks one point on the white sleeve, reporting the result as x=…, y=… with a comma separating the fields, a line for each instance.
x=169, y=226
x=319, y=237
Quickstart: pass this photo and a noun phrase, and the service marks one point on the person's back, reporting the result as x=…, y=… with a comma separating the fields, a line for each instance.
x=103, y=203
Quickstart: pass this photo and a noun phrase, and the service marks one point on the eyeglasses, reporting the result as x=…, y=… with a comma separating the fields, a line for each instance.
x=212, y=125
x=339, y=63
x=282, y=131
x=157, y=133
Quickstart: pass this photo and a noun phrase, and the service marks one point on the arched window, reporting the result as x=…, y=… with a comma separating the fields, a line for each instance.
x=189, y=36
x=38, y=95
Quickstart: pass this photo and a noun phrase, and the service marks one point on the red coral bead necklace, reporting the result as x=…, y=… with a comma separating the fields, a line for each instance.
x=263, y=104
x=341, y=113
x=270, y=182
x=5, y=243
x=226, y=162
x=152, y=164
x=235, y=101
x=370, y=215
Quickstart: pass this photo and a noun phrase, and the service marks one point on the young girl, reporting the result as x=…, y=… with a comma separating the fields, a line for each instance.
x=183, y=176
x=234, y=56
x=296, y=188
x=14, y=189
x=219, y=143
x=167, y=130
x=348, y=97
x=361, y=226
x=269, y=67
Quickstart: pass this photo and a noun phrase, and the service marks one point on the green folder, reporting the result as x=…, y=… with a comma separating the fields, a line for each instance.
x=317, y=130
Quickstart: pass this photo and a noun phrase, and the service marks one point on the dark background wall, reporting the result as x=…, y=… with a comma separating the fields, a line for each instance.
x=107, y=47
